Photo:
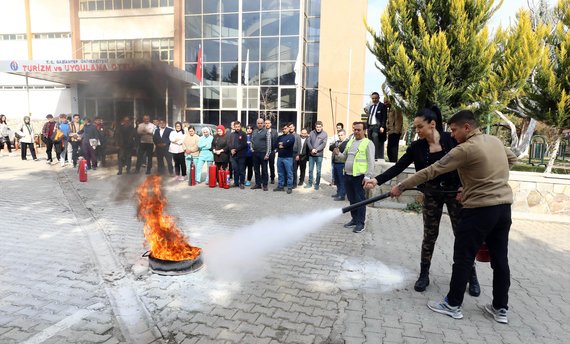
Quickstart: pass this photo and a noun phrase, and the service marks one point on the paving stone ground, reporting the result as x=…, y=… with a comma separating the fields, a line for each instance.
x=333, y=286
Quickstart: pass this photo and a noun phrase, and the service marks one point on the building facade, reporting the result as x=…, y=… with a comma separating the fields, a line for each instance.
x=287, y=60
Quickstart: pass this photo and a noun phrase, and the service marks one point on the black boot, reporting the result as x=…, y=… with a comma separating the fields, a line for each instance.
x=423, y=280
x=474, y=288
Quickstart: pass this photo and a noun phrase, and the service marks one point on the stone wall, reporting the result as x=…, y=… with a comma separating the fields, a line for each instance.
x=534, y=193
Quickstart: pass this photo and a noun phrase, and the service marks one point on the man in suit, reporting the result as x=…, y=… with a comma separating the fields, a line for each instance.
x=376, y=124
x=302, y=157
x=161, y=138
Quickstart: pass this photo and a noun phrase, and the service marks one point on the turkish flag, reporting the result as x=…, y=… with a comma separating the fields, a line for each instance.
x=199, y=66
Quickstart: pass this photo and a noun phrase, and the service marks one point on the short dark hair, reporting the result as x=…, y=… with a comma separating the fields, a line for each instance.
x=359, y=122
x=237, y=122
x=462, y=117
x=375, y=93
x=340, y=124
x=49, y=116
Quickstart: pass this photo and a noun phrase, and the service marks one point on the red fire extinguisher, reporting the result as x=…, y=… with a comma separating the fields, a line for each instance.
x=212, y=175
x=192, y=179
x=227, y=179
x=82, y=170
x=483, y=254
x=221, y=178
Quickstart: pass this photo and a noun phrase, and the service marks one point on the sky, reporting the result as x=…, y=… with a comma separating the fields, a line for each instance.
x=374, y=79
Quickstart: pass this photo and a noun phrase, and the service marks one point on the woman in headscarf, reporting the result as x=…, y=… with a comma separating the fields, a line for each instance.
x=26, y=130
x=220, y=148
x=5, y=135
x=206, y=156
x=177, y=149
x=191, y=150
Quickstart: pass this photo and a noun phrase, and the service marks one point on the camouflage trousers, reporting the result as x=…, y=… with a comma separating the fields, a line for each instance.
x=432, y=211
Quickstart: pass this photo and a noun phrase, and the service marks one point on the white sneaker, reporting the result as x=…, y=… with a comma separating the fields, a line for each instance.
x=500, y=314
x=443, y=307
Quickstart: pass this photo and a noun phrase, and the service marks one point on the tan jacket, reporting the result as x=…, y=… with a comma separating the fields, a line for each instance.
x=395, y=121
x=483, y=169
x=190, y=145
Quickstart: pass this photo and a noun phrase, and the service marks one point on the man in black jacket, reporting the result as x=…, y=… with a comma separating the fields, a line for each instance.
x=125, y=137
x=376, y=123
x=161, y=138
x=238, y=151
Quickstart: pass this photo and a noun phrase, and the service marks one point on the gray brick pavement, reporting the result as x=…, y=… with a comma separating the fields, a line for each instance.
x=332, y=287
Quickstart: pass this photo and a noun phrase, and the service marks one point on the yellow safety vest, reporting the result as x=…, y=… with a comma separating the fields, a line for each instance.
x=360, y=165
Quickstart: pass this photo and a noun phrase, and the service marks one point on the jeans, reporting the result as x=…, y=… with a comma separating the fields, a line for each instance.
x=64, y=151
x=260, y=167
x=355, y=194
x=238, y=165
x=285, y=172
x=338, y=173
x=312, y=161
x=478, y=225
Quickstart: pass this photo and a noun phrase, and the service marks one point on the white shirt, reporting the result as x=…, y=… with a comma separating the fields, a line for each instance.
x=372, y=118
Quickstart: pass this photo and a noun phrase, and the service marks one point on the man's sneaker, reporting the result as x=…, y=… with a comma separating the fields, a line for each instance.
x=308, y=186
x=444, y=308
x=256, y=187
x=352, y=223
x=359, y=228
x=289, y=190
x=335, y=195
x=500, y=314
x=316, y=186
x=279, y=188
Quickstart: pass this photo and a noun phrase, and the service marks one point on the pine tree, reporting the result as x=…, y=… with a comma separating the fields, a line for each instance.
x=548, y=92
x=434, y=51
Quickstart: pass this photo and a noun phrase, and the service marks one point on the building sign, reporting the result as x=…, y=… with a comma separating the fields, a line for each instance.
x=55, y=66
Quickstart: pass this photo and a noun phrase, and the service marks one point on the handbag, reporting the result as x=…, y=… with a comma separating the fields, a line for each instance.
x=58, y=135
x=19, y=134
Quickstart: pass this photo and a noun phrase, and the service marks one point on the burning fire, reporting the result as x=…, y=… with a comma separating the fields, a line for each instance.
x=166, y=240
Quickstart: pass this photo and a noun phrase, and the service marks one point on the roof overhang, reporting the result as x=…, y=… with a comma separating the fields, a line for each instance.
x=72, y=72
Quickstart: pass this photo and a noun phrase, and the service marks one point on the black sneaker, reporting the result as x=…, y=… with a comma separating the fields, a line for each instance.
x=241, y=186
x=339, y=199
x=272, y=181
x=289, y=190
x=256, y=187
x=334, y=196
x=359, y=228
x=265, y=188
x=279, y=189
x=352, y=223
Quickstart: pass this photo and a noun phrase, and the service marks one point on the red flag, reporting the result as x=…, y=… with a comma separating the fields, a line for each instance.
x=199, y=66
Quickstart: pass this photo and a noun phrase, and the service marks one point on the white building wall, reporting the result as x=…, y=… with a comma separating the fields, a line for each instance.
x=49, y=15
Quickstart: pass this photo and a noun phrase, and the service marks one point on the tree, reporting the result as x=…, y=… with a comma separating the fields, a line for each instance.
x=434, y=51
x=548, y=92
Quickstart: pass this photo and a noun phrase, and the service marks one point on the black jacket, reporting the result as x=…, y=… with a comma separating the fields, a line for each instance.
x=381, y=115
x=164, y=141
x=221, y=142
x=238, y=141
x=125, y=136
x=341, y=146
x=418, y=153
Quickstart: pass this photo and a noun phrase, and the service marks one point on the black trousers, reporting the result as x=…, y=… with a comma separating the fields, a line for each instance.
x=393, y=145
x=302, y=165
x=24, y=147
x=477, y=225
x=249, y=168
x=8, y=144
x=163, y=154
x=378, y=139
x=260, y=168
x=49, y=149
x=355, y=193
x=272, y=165
x=75, y=151
x=179, y=164
x=145, y=150
x=124, y=157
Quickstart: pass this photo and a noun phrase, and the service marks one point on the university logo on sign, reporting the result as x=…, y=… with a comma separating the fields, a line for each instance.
x=14, y=66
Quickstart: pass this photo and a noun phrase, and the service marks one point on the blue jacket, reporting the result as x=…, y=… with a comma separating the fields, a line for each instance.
x=205, y=145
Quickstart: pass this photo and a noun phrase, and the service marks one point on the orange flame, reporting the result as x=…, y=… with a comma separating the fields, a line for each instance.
x=166, y=240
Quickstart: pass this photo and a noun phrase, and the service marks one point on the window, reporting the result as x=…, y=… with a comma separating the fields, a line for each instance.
x=288, y=98
x=159, y=49
x=104, y=5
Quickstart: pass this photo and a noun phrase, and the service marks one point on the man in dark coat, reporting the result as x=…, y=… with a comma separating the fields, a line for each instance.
x=125, y=137
x=238, y=151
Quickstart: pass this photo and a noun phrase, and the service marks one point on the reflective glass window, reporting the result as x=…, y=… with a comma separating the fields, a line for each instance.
x=230, y=6
x=312, y=53
x=193, y=97
x=251, y=5
x=313, y=29
x=211, y=50
x=193, y=116
x=309, y=119
x=250, y=97
x=311, y=99
x=211, y=97
x=312, y=77
x=287, y=73
x=210, y=6
x=211, y=73
x=211, y=117
x=193, y=27
x=269, y=23
x=250, y=73
x=268, y=73
x=251, y=44
x=268, y=98
x=269, y=49
x=314, y=8
x=286, y=117
x=229, y=73
x=229, y=25
x=191, y=68
x=288, y=98
x=251, y=117
x=290, y=4
x=289, y=23
x=227, y=118
x=193, y=7
x=289, y=48
x=229, y=97
x=268, y=5
x=211, y=26
x=229, y=50
x=250, y=24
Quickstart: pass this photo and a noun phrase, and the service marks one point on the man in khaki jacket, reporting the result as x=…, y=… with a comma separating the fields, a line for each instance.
x=394, y=124
x=483, y=165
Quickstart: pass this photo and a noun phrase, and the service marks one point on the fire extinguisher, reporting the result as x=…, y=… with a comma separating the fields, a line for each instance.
x=82, y=170
x=192, y=179
x=212, y=175
x=221, y=178
x=227, y=179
